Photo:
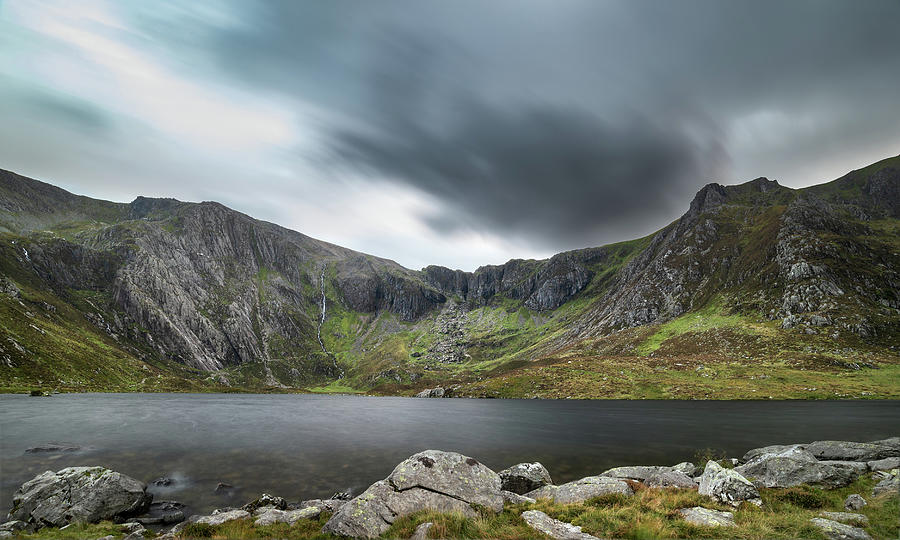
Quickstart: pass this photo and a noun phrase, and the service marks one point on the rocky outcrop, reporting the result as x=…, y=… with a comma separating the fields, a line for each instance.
x=727, y=486
x=525, y=477
x=582, y=490
x=558, y=530
x=846, y=517
x=888, y=484
x=441, y=481
x=795, y=466
x=855, y=451
x=271, y=516
x=706, y=517
x=431, y=393
x=86, y=494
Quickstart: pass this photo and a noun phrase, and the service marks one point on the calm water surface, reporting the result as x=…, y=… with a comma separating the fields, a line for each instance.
x=306, y=446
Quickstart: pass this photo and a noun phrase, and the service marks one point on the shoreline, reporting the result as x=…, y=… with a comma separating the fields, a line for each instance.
x=743, y=495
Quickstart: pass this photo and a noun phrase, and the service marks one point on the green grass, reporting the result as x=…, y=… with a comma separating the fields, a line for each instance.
x=710, y=317
x=335, y=387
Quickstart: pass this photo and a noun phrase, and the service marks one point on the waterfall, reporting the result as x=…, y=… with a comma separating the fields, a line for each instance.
x=319, y=330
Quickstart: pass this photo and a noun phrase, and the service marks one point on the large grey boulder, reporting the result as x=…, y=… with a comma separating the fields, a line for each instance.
x=687, y=468
x=794, y=466
x=706, y=517
x=727, y=486
x=431, y=393
x=773, y=449
x=78, y=494
x=885, y=464
x=524, y=477
x=637, y=472
x=838, y=531
x=855, y=451
x=670, y=479
x=218, y=517
x=558, y=530
x=582, y=490
x=514, y=498
x=290, y=517
x=442, y=481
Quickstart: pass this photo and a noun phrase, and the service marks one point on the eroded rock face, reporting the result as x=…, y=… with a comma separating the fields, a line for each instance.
x=706, y=517
x=442, y=481
x=582, y=490
x=795, y=466
x=86, y=494
x=558, y=530
x=525, y=477
x=727, y=486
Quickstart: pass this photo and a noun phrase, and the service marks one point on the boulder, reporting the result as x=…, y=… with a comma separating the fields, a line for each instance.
x=890, y=484
x=638, y=472
x=266, y=500
x=838, y=531
x=854, y=502
x=846, y=517
x=326, y=505
x=885, y=464
x=272, y=516
x=421, y=532
x=773, y=449
x=706, y=517
x=85, y=494
x=8, y=529
x=162, y=513
x=855, y=451
x=794, y=466
x=582, y=490
x=727, y=486
x=558, y=530
x=687, y=468
x=441, y=481
x=514, y=498
x=216, y=518
x=524, y=477
x=670, y=479
x=431, y=393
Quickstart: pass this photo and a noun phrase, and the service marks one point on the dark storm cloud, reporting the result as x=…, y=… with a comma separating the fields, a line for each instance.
x=577, y=122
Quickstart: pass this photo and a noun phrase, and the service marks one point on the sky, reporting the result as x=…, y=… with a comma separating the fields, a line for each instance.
x=458, y=133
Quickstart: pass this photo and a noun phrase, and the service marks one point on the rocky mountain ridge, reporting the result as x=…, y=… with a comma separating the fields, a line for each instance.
x=209, y=288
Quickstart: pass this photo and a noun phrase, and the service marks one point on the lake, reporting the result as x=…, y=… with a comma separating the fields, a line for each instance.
x=309, y=446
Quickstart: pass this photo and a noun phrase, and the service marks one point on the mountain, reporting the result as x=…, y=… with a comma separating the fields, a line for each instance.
x=757, y=287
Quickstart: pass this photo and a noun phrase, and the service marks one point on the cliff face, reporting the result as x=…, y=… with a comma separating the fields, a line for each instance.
x=211, y=288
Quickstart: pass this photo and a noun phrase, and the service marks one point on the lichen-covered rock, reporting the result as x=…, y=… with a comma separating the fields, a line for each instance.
x=794, y=466
x=85, y=494
x=890, y=484
x=687, y=468
x=706, y=517
x=838, y=531
x=854, y=502
x=670, y=479
x=558, y=530
x=885, y=464
x=855, y=451
x=846, y=517
x=636, y=472
x=270, y=517
x=773, y=449
x=582, y=490
x=431, y=393
x=514, y=498
x=441, y=481
x=524, y=477
x=727, y=486
x=326, y=505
